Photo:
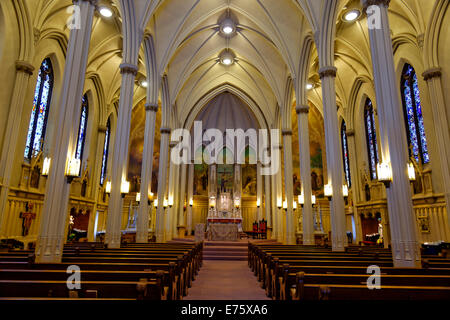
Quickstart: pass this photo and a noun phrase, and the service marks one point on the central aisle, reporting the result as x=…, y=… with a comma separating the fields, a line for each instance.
x=226, y=280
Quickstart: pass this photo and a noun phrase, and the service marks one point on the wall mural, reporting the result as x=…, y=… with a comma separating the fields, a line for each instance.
x=136, y=148
x=249, y=174
x=317, y=146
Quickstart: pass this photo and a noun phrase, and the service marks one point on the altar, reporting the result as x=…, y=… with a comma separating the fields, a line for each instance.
x=224, y=223
x=223, y=232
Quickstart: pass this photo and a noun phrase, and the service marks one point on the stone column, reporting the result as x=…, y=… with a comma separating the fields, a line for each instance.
x=120, y=156
x=275, y=213
x=50, y=240
x=305, y=174
x=405, y=247
x=441, y=130
x=355, y=187
x=259, y=188
x=334, y=158
x=162, y=182
x=183, y=202
x=280, y=214
x=146, y=175
x=24, y=70
x=267, y=201
x=170, y=216
x=190, y=195
x=288, y=187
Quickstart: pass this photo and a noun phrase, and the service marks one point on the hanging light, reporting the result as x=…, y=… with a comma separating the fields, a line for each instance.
x=227, y=58
x=228, y=27
x=46, y=167
x=384, y=172
x=411, y=172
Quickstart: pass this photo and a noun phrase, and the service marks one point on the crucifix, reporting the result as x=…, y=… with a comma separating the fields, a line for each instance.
x=27, y=217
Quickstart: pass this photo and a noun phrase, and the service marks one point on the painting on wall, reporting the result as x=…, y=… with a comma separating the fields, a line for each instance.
x=249, y=180
x=201, y=179
x=424, y=224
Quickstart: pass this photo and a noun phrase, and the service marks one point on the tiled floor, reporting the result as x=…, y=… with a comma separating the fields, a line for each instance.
x=226, y=280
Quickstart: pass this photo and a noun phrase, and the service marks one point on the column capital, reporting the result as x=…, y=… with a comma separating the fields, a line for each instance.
x=24, y=66
x=302, y=109
x=350, y=133
x=432, y=73
x=151, y=107
x=165, y=130
x=368, y=3
x=286, y=132
x=128, y=68
x=173, y=144
x=327, y=71
x=102, y=129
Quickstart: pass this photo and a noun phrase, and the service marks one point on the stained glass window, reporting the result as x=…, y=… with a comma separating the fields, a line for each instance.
x=412, y=107
x=39, y=113
x=345, y=156
x=82, y=128
x=371, y=136
x=105, y=152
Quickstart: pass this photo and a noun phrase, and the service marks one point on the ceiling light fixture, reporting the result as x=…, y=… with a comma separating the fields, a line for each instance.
x=144, y=83
x=352, y=15
x=106, y=12
x=227, y=58
x=228, y=27
x=309, y=86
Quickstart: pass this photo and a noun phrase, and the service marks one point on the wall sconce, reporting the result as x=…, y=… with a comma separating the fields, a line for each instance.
x=124, y=188
x=155, y=203
x=384, y=172
x=294, y=205
x=345, y=191
x=258, y=203
x=328, y=191
x=285, y=205
x=237, y=203
x=73, y=169
x=150, y=198
x=46, y=167
x=170, y=202
x=165, y=204
x=313, y=200
x=191, y=203
x=301, y=199
x=279, y=204
x=108, y=187
x=138, y=197
x=411, y=172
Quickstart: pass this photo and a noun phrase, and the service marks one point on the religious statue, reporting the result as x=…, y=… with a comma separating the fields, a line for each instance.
x=27, y=217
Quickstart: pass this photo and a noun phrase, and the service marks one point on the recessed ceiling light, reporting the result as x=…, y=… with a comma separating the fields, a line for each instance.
x=351, y=15
x=227, y=58
x=106, y=12
x=228, y=27
x=309, y=86
x=144, y=84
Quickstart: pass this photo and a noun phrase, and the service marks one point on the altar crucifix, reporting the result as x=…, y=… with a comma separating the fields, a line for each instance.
x=27, y=217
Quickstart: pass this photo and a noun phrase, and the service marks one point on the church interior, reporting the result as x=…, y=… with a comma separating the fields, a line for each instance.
x=225, y=150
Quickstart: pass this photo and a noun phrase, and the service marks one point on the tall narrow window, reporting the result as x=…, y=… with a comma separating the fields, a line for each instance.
x=345, y=156
x=82, y=128
x=413, y=115
x=371, y=136
x=39, y=113
x=105, y=152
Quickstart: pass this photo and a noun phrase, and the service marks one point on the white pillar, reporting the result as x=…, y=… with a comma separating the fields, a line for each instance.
x=288, y=187
x=162, y=182
x=170, y=197
x=146, y=175
x=275, y=213
x=393, y=140
x=267, y=201
x=120, y=156
x=50, y=241
x=183, y=202
x=441, y=130
x=259, y=188
x=280, y=214
x=305, y=174
x=334, y=158
x=24, y=70
x=190, y=196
